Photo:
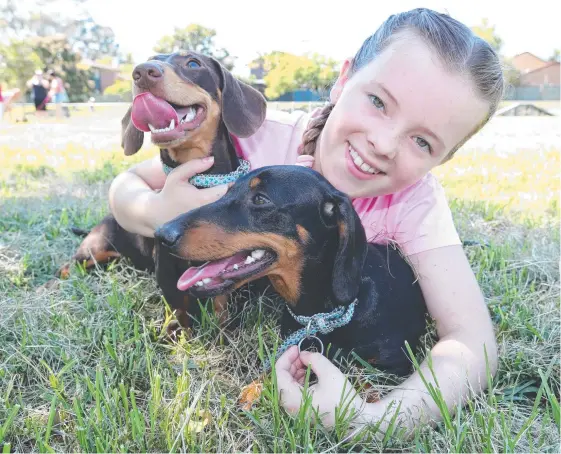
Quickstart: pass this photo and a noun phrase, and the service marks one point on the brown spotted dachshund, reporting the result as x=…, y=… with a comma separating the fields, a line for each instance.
x=290, y=224
x=192, y=107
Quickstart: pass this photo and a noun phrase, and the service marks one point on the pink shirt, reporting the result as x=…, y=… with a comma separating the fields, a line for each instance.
x=417, y=218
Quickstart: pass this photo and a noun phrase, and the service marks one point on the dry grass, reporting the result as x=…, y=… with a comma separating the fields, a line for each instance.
x=82, y=367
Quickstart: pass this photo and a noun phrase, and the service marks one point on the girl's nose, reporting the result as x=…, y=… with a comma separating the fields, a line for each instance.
x=384, y=144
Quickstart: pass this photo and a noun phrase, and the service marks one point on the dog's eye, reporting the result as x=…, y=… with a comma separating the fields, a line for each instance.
x=192, y=64
x=260, y=199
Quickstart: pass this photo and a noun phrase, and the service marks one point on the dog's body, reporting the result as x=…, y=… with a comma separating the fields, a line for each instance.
x=305, y=236
x=192, y=106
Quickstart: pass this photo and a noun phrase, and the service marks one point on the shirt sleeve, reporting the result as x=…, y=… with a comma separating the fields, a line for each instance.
x=424, y=220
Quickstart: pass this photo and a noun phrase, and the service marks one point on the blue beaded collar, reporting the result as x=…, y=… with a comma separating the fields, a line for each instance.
x=208, y=181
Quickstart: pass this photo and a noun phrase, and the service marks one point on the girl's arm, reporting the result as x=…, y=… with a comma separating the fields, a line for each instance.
x=143, y=198
x=455, y=302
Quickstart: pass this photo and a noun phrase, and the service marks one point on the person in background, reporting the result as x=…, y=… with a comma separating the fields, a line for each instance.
x=40, y=89
x=57, y=92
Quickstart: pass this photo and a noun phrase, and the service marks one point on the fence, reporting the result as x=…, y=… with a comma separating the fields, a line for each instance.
x=534, y=93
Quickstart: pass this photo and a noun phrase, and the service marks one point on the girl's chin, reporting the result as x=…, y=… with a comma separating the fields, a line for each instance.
x=343, y=183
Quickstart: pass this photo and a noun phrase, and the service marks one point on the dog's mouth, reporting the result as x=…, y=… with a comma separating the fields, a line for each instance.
x=166, y=121
x=220, y=276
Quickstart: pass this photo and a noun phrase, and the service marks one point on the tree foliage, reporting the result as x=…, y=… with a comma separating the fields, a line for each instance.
x=285, y=72
x=487, y=32
x=196, y=38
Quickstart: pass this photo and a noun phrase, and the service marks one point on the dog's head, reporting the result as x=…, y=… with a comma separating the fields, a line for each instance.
x=180, y=99
x=284, y=222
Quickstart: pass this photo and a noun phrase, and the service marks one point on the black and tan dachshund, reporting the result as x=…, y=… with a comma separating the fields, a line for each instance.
x=191, y=106
x=290, y=224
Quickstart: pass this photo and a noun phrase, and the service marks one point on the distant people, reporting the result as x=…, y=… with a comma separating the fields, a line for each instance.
x=40, y=88
x=57, y=93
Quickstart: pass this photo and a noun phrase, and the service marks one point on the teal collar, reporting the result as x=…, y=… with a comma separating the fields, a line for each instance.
x=323, y=323
x=210, y=180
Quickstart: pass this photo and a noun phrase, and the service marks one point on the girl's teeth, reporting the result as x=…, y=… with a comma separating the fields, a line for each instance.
x=361, y=164
x=206, y=280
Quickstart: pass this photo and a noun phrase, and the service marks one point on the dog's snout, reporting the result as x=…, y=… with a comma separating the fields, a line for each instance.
x=168, y=234
x=147, y=73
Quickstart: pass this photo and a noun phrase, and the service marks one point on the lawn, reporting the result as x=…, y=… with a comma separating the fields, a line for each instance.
x=83, y=366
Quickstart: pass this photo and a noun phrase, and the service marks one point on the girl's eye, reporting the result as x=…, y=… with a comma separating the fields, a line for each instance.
x=423, y=144
x=193, y=64
x=377, y=102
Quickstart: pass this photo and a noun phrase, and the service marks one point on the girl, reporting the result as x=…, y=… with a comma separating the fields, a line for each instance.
x=413, y=94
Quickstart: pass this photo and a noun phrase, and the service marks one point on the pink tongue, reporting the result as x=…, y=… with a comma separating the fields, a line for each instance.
x=209, y=270
x=147, y=108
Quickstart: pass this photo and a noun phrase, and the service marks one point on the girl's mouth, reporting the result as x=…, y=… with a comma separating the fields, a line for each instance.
x=358, y=167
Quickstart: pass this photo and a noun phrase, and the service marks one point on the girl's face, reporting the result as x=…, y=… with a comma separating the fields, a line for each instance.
x=394, y=120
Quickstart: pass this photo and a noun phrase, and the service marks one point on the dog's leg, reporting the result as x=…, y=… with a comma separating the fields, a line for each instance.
x=220, y=304
x=108, y=242
x=96, y=248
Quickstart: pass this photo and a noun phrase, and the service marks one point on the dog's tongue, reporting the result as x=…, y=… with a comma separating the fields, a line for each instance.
x=147, y=108
x=208, y=270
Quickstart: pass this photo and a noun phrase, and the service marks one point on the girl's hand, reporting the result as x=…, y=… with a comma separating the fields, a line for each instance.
x=305, y=160
x=178, y=196
x=332, y=389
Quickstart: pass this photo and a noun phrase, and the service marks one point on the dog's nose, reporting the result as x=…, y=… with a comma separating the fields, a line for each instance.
x=147, y=73
x=168, y=234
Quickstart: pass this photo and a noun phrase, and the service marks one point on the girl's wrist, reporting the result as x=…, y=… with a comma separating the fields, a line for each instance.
x=379, y=414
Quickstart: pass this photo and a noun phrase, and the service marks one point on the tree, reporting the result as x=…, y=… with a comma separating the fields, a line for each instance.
x=15, y=70
x=556, y=55
x=56, y=53
x=285, y=72
x=84, y=35
x=487, y=32
x=196, y=38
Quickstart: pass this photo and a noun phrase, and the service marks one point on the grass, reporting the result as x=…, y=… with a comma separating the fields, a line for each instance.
x=83, y=367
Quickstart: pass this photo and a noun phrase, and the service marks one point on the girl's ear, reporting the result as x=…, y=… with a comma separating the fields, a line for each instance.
x=341, y=80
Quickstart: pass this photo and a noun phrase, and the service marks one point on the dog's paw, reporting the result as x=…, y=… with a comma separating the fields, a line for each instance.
x=250, y=394
x=63, y=272
x=174, y=330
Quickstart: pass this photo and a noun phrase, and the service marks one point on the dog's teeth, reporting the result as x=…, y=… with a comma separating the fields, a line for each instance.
x=236, y=266
x=152, y=128
x=199, y=284
x=206, y=280
x=249, y=260
x=172, y=124
x=258, y=253
x=190, y=116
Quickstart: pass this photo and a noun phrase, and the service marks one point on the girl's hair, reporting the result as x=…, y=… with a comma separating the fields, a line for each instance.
x=459, y=49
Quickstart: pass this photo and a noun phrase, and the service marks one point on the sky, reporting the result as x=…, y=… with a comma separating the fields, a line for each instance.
x=301, y=26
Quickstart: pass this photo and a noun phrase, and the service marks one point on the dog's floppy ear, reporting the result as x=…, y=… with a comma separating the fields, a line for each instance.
x=131, y=138
x=243, y=107
x=351, y=251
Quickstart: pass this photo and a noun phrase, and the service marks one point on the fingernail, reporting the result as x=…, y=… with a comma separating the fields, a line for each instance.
x=208, y=159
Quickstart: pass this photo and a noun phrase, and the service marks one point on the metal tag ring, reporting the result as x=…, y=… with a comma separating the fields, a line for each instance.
x=311, y=337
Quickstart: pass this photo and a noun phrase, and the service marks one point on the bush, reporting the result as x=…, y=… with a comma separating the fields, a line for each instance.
x=121, y=89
